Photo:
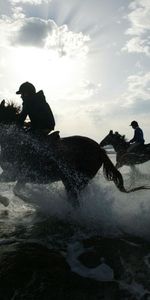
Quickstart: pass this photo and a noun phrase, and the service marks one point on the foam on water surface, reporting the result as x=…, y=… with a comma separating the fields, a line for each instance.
x=46, y=217
x=103, y=209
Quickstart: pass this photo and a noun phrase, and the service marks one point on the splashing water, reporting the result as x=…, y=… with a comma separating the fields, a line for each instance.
x=106, y=227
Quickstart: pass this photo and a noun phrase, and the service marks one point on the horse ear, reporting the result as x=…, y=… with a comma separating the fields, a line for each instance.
x=2, y=103
x=116, y=133
x=111, y=132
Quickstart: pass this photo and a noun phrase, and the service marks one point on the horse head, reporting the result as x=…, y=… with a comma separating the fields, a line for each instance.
x=115, y=139
x=108, y=139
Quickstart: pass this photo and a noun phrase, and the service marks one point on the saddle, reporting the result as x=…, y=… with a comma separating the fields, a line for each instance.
x=138, y=149
x=54, y=137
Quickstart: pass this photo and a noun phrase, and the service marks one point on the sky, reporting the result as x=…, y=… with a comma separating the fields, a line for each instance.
x=90, y=57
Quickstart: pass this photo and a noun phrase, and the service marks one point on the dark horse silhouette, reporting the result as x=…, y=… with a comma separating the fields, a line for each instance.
x=140, y=155
x=74, y=160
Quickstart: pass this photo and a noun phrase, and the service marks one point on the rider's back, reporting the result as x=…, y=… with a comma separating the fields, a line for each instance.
x=139, y=138
x=40, y=112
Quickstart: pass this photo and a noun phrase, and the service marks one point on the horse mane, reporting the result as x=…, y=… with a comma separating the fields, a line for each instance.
x=8, y=111
x=120, y=137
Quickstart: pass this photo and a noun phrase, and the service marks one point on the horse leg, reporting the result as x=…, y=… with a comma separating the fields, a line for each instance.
x=72, y=191
x=74, y=183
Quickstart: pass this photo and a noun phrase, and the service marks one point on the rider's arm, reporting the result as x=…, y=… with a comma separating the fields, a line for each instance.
x=134, y=138
x=22, y=116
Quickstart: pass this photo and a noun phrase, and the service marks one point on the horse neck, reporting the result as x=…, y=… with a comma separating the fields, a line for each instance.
x=119, y=147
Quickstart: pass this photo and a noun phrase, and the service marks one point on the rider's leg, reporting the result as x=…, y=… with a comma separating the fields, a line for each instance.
x=132, y=147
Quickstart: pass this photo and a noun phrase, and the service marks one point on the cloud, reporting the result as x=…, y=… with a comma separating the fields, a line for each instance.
x=139, y=19
x=32, y=2
x=138, y=88
x=138, y=45
x=31, y=32
x=36, y=32
x=136, y=100
x=68, y=42
x=8, y=7
x=90, y=89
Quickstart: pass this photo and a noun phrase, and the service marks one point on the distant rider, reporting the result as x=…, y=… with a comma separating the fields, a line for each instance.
x=35, y=106
x=138, y=138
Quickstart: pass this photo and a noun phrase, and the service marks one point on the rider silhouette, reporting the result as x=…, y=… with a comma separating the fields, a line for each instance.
x=138, y=138
x=35, y=106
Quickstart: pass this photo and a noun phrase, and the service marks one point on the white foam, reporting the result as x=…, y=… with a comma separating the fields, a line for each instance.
x=102, y=272
x=103, y=209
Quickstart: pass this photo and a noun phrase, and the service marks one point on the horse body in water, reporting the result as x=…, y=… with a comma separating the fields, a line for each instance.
x=140, y=155
x=74, y=160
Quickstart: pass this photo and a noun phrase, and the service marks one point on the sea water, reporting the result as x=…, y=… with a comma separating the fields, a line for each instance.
x=100, y=249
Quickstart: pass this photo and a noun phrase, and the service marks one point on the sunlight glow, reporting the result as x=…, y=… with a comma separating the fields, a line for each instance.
x=48, y=70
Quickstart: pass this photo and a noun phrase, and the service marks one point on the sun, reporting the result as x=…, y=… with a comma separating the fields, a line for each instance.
x=48, y=70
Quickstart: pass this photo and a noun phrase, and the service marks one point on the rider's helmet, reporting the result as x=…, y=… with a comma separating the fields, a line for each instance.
x=26, y=87
x=134, y=123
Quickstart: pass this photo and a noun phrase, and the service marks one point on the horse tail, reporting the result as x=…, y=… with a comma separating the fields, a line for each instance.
x=112, y=174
